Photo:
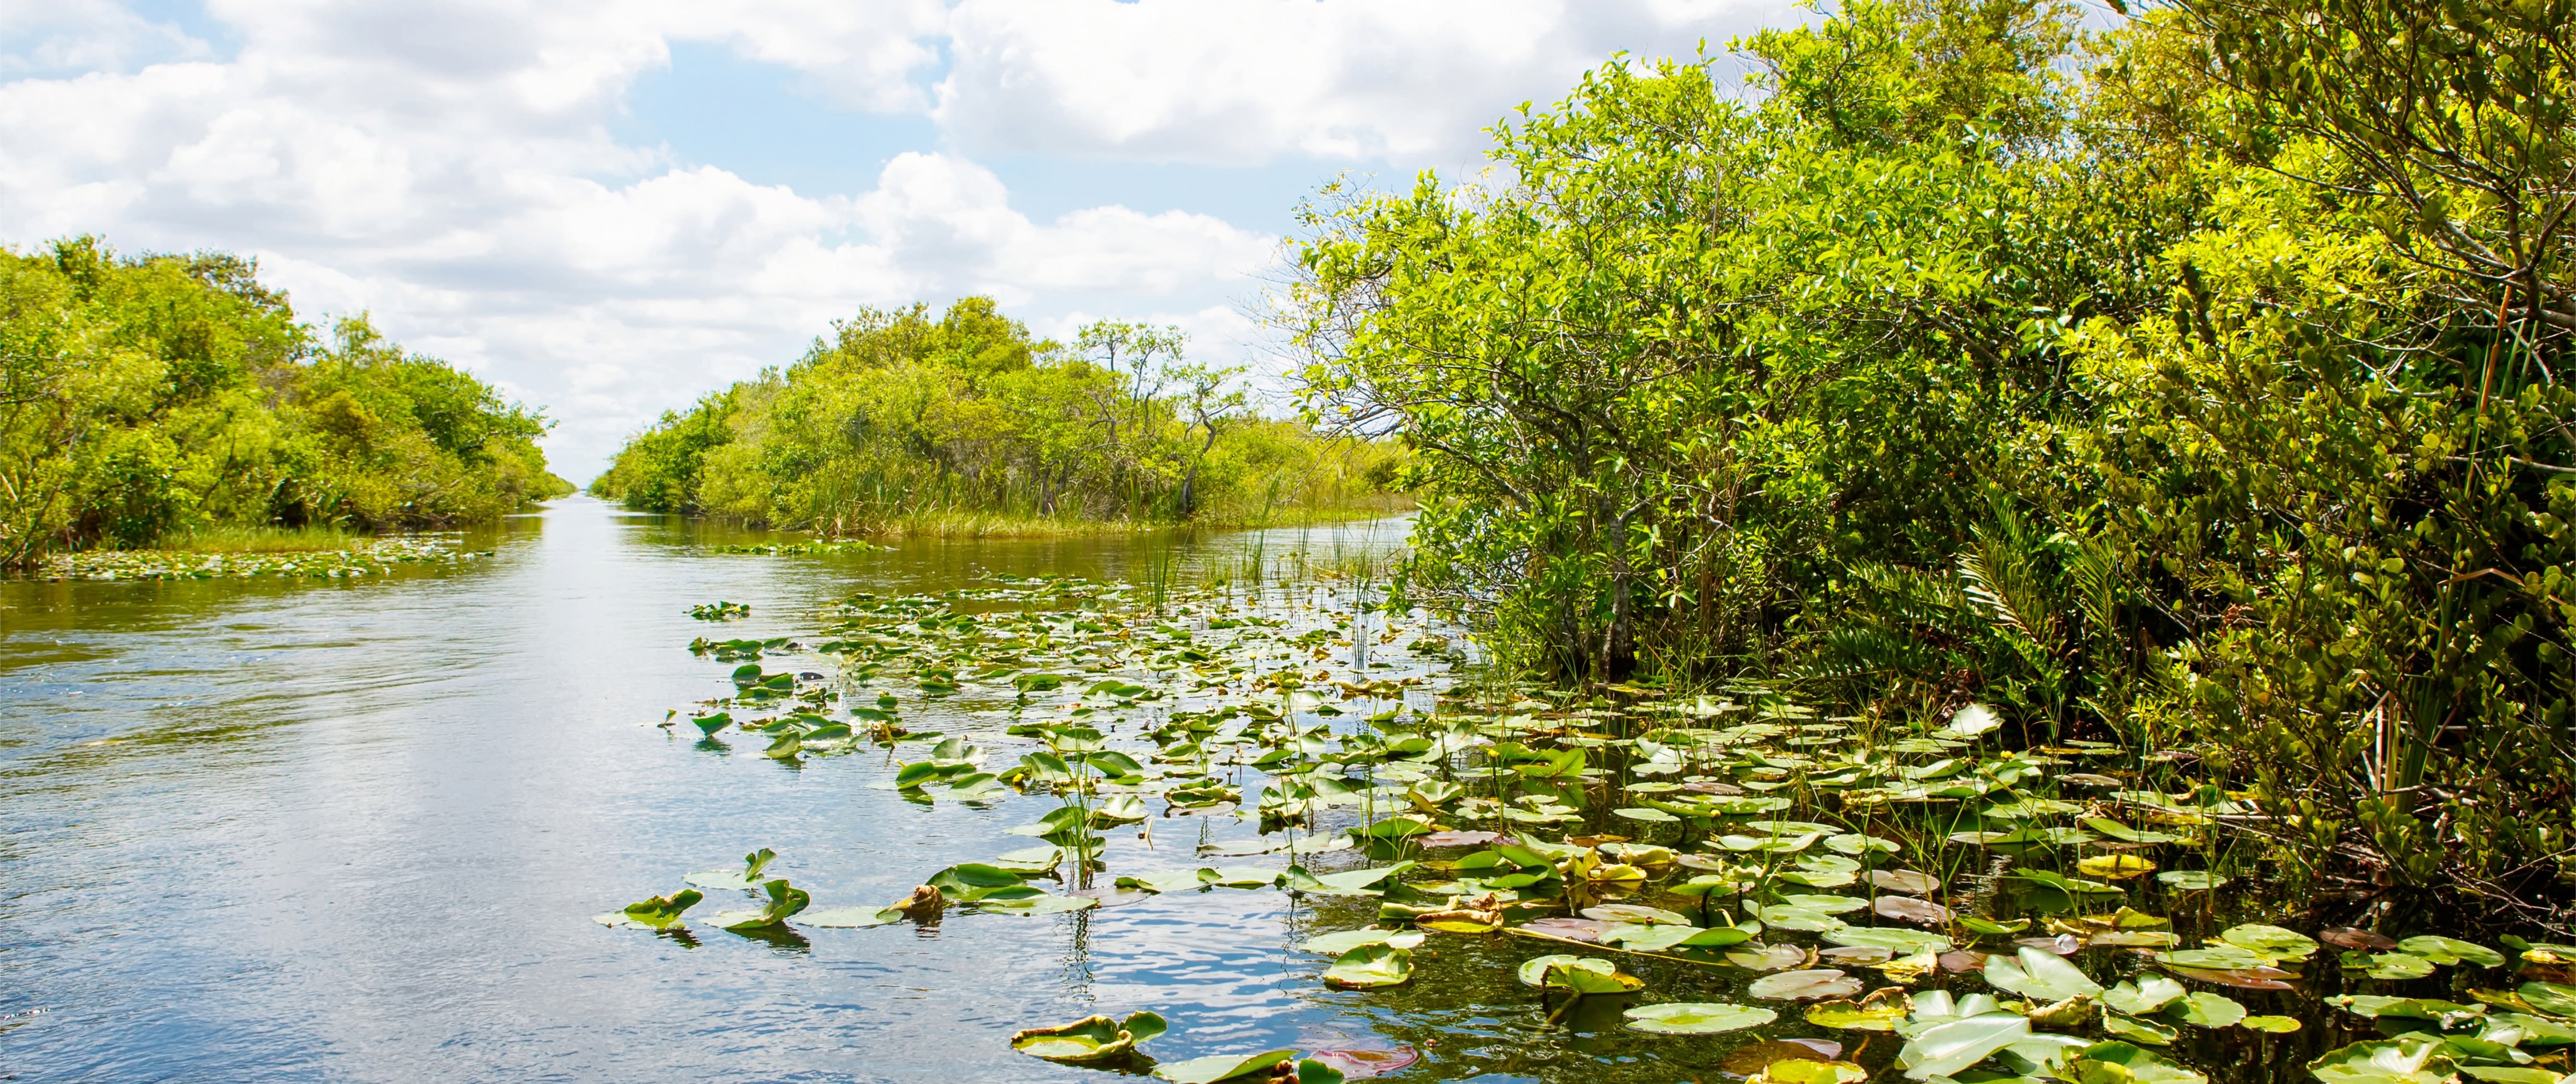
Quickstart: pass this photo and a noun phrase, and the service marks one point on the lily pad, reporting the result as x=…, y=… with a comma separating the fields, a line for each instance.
x=658, y=913
x=2550, y=997
x=1361, y=1064
x=1891, y=938
x=1811, y=985
x=2445, y=950
x=1910, y=909
x=1091, y=1039
x=2136, y=1030
x=1946, y=1048
x=1209, y=1070
x=2277, y=1025
x=2131, y=1063
x=2039, y=974
x=2207, y=1010
x=1370, y=966
x=2350, y=937
x=1906, y=881
x=2406, y=1059
x=1767, y=957
x=2193, y=880
x=2115, y=867
x=1697, y=1017
x=2148, y=994
x=1343, y=941
x=2273, y=942
x=1588, y=977
x=1882, y=1010
x=2393, y=965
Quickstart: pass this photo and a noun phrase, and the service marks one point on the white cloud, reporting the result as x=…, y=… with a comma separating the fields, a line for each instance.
x=1245, y=81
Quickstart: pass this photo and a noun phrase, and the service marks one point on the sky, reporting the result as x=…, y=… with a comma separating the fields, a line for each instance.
x=608, y=209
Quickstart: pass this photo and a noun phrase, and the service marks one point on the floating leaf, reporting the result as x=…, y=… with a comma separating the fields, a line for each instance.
x=1802, y=919
x=2039, y=974
x=1649, y=815
x=1890, y=938
x=2444, y=950
x=1338, y=943
x=1091, y=1039
x=2277, y=1025
x=2243, y=978
x=2125, y=834
x=1629, y=912
x=2406, y=1059
x=1697, y=1017
x=1811, y=985
x=1588, y=977
x=1767, y=957
x=2207, y=1010
x=2072, y=886
x=1910, y=909
x=2115, y=867
x=1209, y=1070
x=1370, y=966
x=2138, y=1031
x=2393, y=965
x=2193, y=880
x=2549, y=997
x=1906, y=881
x=2348, y=937
x=784, y=902
x=2148, y=994
x=2272, y=942
x=1946, y=1048
x=658, y=913
x=1360, y=1064
x=2131, y=1063
x=1882, y=1010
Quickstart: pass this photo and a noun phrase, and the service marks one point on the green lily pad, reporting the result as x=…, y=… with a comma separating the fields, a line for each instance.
x=2135, y=1030
x=1893, y=939
x=2193, y=880
x=2444, y=950
x=1882, y=1010
x=1946, y=1048
x=1035, y=903
x=2207, y=1010
x=2277, y=1025
x=2148, y=994
x=2510, y=1074
x=2214, y=958
x=1817, y=984
x=2037, y=973
x=2072, y=886
x=2271, y=942
x=2406, y=1059
x=1209, y=1070
x=1697, y=1017
x=658, y=913
x=1652, y=816
x=784, y=902
x=1590, y=976
x=1370, y=966
x=2550, y=997
x=2394, y=965
x=1832, y=905
x=2125, y=834
x=1802, y=919
x=1345, y=940
x=2133, y=1064
x=1091, y=1039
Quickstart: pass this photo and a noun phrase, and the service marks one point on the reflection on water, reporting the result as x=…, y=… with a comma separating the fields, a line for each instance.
x=263, y=830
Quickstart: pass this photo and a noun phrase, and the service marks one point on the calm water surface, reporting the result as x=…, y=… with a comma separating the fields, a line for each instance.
x=265, y=830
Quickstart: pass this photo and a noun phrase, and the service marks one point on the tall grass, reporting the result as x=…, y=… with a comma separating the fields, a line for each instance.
x=310, y=539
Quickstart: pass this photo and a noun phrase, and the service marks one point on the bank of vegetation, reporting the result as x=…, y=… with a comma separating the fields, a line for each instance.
x=908, y=422
x=147, y=400
x=2191, y=385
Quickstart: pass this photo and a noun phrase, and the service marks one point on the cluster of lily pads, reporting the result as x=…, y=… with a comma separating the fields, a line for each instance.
x=367, y=557
x=720, y=611
x=799, y=549
x=2006, y=913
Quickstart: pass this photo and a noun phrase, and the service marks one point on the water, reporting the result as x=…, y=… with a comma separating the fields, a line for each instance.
x=264, y=830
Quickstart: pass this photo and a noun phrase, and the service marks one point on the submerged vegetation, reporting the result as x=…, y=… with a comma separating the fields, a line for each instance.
x=964, y=425
x=2190, y=387
x=1686, y=867
x=146, y=400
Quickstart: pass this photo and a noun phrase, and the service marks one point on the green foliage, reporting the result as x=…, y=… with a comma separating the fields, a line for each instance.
x=2194, y=383
x=153, y=396
x=898, y=418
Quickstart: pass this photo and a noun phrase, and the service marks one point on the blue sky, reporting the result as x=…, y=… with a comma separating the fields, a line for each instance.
x=611, y=207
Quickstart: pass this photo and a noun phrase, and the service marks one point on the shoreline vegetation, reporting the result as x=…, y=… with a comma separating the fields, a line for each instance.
x=162, y=401
x=964, y=425
x=2190, y=386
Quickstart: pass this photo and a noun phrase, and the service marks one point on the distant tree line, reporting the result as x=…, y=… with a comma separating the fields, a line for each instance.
x=905, y=420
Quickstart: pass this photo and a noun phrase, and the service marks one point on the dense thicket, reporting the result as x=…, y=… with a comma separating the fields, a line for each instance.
x=145, y=397
x=2194, y=384
x=902, y=419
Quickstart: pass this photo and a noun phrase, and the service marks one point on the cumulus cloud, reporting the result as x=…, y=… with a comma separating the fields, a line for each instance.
x=456, y=167
x=1245, y=81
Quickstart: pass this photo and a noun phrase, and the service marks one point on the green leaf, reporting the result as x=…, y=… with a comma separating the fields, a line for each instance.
x=2406, y=1059
x=2040, y=974
x=2207, y=1010
x=1696, y=1017
x=1209, y=1070
x=1370, y=966
x=1945, y=1049
x=2444, y=950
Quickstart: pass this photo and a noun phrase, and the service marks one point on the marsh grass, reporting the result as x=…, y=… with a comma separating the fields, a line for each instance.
x=308, y=539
